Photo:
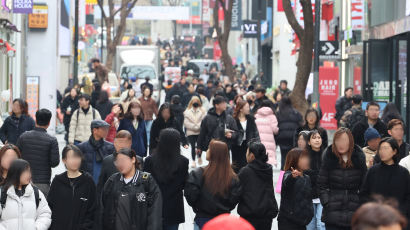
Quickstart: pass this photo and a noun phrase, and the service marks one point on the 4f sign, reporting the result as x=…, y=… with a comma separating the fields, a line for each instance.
x=250, y=29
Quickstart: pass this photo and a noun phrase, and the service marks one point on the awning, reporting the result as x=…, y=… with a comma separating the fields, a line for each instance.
x=6, y=24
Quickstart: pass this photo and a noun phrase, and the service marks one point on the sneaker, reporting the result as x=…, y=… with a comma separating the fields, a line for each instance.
x=193, y=164
x=199, y=161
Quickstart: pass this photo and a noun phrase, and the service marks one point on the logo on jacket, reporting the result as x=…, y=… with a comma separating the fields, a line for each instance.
x=140, y=197
x=83, y=199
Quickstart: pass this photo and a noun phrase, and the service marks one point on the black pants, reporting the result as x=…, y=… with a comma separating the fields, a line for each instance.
x=284, y=152
x=192, y=140
x=334, y=227
x=261, y=224
x=239, y=156
x=286, y=224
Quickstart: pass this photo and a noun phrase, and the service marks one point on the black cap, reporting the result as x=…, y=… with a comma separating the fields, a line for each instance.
x=95, y=124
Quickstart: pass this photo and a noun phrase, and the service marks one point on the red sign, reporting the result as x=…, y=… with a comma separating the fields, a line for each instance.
x=329, y=92
x=357, y=80
x=280, y=6
x=217, y=51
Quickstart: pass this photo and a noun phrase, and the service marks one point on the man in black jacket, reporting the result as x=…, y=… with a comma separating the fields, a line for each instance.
x=41, y=150
x=96, y=148
x=217, y=125
x=371, y=120
x=343, y=103
x=260, y=97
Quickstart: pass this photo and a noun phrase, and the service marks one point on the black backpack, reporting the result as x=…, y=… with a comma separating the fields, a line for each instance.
x=356, y=116
x=3, y=197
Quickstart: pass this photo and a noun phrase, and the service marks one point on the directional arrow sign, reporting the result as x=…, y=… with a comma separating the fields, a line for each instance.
x=328, y=49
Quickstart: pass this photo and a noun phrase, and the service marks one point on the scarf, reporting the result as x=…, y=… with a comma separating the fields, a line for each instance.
x=97, y=145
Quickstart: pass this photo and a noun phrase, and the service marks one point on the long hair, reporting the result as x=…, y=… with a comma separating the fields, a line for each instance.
x=292, y=158
x=129, y=98
x=17, y=167
x=103, y=97
x=238, y=108
x=129, y=113
x=394, y=145
x=285, y=105
x=312, y=110
x=218, y=175
x=192, y=101
x=390, y=111
x=163, y=107
x=3, y=150
x=165, y=158
x=337, y=135
x=23, y=106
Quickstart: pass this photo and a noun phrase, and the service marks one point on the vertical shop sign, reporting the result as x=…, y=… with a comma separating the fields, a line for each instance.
x=236, y=15
x=23, y=6
x=32, y=95
x=329, y=92
x=357, y=14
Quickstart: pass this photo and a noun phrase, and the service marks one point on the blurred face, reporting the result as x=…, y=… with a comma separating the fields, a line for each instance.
x=166, y=114
x=25, y=177
x=16, y=108
x=397, y=132
x=122, y=143
x=279, y=97
x=283, y=86
x=101, y=132
x=8, y=157
x=304, y=163
x=191, y=88
x=391, y=227
x=147, y=92
x=342, y=143
x=311, y=118
x=349, y=93
x=135, y=111
x=221, y=106
x=73, y=93
x=84, y=103
x=386, y=152
x=228, y=89
x=259, y=95
x=131, y=93
x=245, y=110
x=72, y=161
x=124, y=164
x=301, y=142
x=374, y=143
x=373, y=112
x=315, y=141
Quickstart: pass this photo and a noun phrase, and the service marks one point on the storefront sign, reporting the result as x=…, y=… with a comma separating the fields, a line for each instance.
x=357, y=14
x=236, y=15
x=32, y=94
x=39, y=18
x=173, y=73
x=217, y=51
x=329, y=50
x=250, y=29
x=23, y=6
x=329, y=92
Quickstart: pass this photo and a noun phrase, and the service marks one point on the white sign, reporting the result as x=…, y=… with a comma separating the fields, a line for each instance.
x=299, y=12
x=357, y=10
x=206, y=13
x=160, y=13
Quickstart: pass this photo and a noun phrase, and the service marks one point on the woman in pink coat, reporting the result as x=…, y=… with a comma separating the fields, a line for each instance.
x=268, y=127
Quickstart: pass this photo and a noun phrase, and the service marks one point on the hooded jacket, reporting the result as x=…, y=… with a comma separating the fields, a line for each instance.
x=268, y=127
x=339, y=187
x=257, y=199
x=21, y=213
x=73, y=205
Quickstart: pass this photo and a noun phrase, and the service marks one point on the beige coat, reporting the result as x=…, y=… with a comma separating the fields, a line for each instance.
x=369, y=156
x=192, y=122
x=80, y=130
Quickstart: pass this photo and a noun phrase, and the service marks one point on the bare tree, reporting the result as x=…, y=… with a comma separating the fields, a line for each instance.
x=174, y=22
x=304, y=62
x=223, y=36
x=124, y=10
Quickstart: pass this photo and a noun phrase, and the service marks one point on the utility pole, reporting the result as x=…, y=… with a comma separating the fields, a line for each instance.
x=316, y=98
x=102, y=35
x=259, y=37
x=75, y=71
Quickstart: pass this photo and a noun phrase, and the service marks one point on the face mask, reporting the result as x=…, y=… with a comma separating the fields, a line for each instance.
x=250, y=102
x=196, y=105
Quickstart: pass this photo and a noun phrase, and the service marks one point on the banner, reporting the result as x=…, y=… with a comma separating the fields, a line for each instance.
x=172, y=73
x=23, y=6
x=357, y=14
x=329, y=92
x=32, y=95
x=236, y=22
x=217, y=51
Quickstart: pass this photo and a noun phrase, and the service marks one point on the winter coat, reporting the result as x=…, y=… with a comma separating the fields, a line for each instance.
x=257, y=199
x=288, y=124
x=339, y=187
x=68, y=102
x=104, y=108
x=313, y=172
x=390, y=181
x=139, y=135
x=360, y=128
x=145, y=201
x=352, y=116
x=192, y=120
x=73, y=205
x=268, y=127
x=177, y=89
x=206, y=205
x=178, y=113
x=112, y=132
x=250, y=131
x=213, y=127
x=322, y=131
x=296, y=202
x=186, y=98
x=40, y=149
x=172, y=195
x=370, y=154
x=158, y=125
x=80, y=129
x=258, y=104
x=342, y=104
x=10, y=131
x=149, y=108
x=21, y=213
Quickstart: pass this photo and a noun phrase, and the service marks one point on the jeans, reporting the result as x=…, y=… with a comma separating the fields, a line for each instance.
x=201, y=222
x=44, y=188
x=170, y=227
x=148, y=125
x=192, y=140
x=316, y=223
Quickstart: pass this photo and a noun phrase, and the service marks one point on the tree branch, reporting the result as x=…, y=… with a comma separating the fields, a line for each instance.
x=307, y=14
x=131, y=6
x=292, y=19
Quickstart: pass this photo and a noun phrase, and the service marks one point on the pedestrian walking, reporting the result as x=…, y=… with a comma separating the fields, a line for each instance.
x=69, y=105
x=133, y=122
x=81, y=121
x=131, y=199
x=41, y=150
x=170, y=170
x=204, y=99
x=247, y=132
x=131, y=97
x=390, y=112
x=340, y=177
x=260, y=97
x=104, y=105
x=372, y=139
x=96, y=148
x=186, y=97
x=343, y=103
x=289, y=121
x=388, y=178
x=8, y=153
x=165, y=120
x=193, y=116
x=17, y=123
x=315, y=149
x=114, y=118
x=296, y=208
x=302, y=139
x=353, y=115
x=72, y=197
x=257, y=203
x=23, y=206
x=312, y=122
x=149, y=109
x=177, y=109
x=215, y=189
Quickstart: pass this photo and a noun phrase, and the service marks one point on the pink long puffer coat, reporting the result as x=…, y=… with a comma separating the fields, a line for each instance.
x=268, y=127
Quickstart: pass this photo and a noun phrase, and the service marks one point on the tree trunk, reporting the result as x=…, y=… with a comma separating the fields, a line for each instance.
x=110, y=46
x=226, y=58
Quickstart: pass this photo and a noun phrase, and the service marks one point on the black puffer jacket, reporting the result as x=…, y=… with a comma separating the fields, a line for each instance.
x=13, y=127
x=288, y=122
x=41, y=150
x=342, y=104
x=339, y=187
x=296, y=201
x=313, y=172
x=69, y=102
x=206, y=205
x=158, y=125
x=360, y=128
x=258, y=197
x=213, y=127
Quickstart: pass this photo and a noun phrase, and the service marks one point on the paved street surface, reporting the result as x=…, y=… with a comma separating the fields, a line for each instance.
x=189, y=214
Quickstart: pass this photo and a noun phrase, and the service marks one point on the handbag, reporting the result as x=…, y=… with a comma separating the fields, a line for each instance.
x=278, y=187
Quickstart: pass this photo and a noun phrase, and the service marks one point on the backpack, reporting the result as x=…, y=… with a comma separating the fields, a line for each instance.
x=3, y=197
x=356, y=116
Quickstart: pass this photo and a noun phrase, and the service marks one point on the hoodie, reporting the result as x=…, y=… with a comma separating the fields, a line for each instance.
x=257, y=199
